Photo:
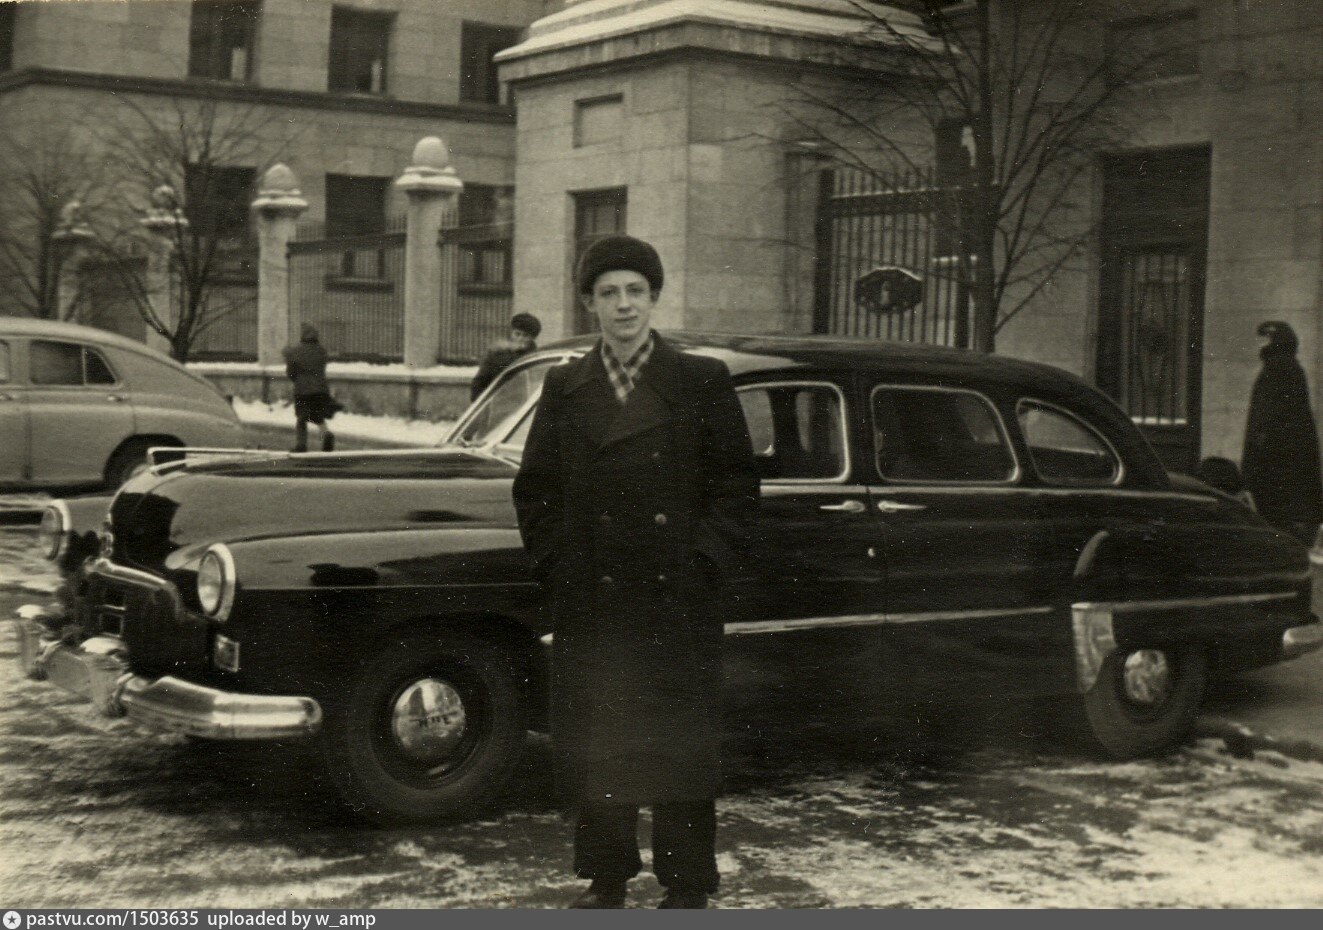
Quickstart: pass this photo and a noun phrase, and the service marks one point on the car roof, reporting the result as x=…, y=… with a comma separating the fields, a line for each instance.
x=31, y=326
x=745, y=354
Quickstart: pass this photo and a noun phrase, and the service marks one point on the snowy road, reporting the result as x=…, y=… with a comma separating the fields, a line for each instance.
x=94, y=813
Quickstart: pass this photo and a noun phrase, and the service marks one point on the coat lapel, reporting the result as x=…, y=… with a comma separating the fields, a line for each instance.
x=650, y=403
x=595, y=405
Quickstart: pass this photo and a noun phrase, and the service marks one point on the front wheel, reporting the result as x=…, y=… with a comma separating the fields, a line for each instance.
x=1145, y=699
x=429, y=729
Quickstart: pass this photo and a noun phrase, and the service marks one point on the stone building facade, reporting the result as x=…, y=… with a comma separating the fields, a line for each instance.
x=673, y=120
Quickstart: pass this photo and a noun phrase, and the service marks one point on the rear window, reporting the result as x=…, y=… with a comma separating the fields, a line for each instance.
x=67, y=364
x=938, y=435
x=1064, y=449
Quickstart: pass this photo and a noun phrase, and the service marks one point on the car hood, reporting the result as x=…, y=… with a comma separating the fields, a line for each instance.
x=161, y=521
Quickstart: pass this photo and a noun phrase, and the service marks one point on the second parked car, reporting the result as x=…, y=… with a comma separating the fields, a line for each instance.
x=81, y=406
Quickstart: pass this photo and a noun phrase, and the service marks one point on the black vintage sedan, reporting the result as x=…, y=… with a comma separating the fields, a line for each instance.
x=933, y=522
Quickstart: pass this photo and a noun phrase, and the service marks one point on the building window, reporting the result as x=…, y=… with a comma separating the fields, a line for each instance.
x=486, y=212
x=8, y=13
x=360, y=43
x=216, y=201
x=479, y=42
x=597, y=120
x=356, y=206
x=221, y=36
x=1153, y=47
x=596, y=214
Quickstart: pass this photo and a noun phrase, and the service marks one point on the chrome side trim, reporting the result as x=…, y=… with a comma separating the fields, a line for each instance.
x=1092, y=625
x=882, y=619
x=1178, y=603
x=758, y=627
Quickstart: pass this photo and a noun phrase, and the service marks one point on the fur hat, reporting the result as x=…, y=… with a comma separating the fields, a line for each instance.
x=619, y=253
x=307, y=333
x=526, y=323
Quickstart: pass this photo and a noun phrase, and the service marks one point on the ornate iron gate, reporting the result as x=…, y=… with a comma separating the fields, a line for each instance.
x=903, y=220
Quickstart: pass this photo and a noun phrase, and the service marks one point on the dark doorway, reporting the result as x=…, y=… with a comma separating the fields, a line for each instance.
x=1151, y=313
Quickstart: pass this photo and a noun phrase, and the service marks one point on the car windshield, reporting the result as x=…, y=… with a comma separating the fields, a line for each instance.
x=499, y=409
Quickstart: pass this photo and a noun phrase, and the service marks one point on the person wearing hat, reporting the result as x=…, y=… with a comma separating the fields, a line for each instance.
x=524, y=330
x=637, y=487
x=1280, y=465
x=305, y=364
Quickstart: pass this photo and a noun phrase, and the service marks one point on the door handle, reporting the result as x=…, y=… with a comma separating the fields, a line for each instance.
x=844, y=507
x=897, y=507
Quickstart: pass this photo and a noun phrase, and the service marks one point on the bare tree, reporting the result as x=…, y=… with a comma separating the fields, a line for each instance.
x=41, y=174
x=190, y=165
x=1030, y=92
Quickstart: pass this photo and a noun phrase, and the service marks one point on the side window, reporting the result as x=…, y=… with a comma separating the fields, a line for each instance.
x=1063, y=448
x=96, y=369
x=56, y=363
x=932, y=435
x=5, y=375
x=798, y=431
x=514, y=388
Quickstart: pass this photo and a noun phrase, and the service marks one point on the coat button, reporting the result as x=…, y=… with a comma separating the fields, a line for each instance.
x=661, y=578
x=660, y=519
x=656, y=456
x=605, y=518
x=607, y=579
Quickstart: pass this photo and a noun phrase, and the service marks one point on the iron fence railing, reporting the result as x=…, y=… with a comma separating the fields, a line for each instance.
x=900, y=219
x=477, y=278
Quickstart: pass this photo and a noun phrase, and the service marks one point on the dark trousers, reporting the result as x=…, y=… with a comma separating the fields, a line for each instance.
x=684, y=835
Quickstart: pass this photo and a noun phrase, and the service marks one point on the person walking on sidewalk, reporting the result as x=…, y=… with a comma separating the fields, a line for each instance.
x=305, y=364
x=637, y=486
x=1280, y=465
x=524, y=330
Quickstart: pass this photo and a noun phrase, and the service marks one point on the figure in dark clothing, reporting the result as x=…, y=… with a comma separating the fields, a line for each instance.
x=524, y=329
x=637, y=486
x=1281, y=460
x=305, y=364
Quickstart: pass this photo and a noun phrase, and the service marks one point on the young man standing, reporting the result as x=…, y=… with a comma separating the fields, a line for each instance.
x=524, y=329
x=637, y=486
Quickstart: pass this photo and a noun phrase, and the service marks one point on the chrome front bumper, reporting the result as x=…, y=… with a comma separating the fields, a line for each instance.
x=98, y=670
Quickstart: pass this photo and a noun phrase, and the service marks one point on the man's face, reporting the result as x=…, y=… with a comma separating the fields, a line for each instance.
x=622, y=301
x=520, y=339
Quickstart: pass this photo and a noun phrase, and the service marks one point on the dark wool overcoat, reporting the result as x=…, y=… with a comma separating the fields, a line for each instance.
x=632, y=515
x=1281, y=461
x=305, y=364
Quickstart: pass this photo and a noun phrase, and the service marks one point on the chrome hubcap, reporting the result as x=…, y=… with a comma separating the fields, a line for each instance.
x=1147, y=677
x=428, y=720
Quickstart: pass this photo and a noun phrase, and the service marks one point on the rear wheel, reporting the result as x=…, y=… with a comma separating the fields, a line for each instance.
x=429, y=729
x=1145, y=699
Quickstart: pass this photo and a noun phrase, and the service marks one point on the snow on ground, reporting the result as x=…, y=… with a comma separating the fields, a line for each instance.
x=357, y=425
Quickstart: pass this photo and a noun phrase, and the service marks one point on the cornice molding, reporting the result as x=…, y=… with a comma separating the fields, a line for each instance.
x=254, y=94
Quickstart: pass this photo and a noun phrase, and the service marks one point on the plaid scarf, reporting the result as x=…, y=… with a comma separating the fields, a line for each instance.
x=624, y=375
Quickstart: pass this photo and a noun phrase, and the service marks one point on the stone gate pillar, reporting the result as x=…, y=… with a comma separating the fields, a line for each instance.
x=276, y=210
x=163, y=222
x=431, y=183
x=71, y=237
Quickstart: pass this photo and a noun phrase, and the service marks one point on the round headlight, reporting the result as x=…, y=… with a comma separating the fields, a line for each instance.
x=55, y=522
x=216, y=582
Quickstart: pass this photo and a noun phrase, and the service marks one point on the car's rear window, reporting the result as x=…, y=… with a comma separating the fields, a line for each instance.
x=1064, y=449
x=943, y=435
x=67, y=364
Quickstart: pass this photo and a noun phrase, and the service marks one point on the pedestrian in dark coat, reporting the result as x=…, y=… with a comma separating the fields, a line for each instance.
x=524, y=330
x=1281, y=461
x=305, y=364
x=637, y=487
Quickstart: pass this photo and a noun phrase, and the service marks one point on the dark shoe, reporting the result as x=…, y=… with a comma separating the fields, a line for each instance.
x=328, y=443
x=682, y=898
x=601, y=895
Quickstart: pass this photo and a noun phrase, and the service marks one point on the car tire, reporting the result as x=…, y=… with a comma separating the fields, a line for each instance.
x=128, y=460
x=429, y=729
x=1145, y=699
